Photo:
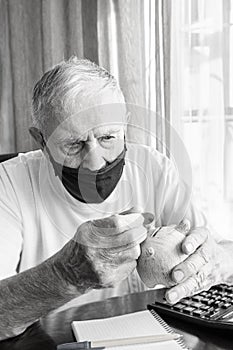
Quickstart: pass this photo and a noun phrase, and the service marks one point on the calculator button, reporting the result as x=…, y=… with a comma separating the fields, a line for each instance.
x=178, y=306
x=214, y=291
x=203, y=300
x=203, y=294
x=198, y=312
x=218, y=303
x=188, y=309
x=210, y=309
x=221, y=304
x=226, y=305
x=224, y=299
x=207, y=301
x=205, y=307
x=186, y=302
x=198, y=298
x=209, y=295
x=198, y=305
x=205, y=314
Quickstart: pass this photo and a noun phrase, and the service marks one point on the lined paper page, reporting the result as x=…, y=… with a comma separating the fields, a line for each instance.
x=136, y=324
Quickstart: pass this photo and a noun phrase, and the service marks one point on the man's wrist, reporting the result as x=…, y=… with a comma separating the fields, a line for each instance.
x=74, y=269
x=64, y=286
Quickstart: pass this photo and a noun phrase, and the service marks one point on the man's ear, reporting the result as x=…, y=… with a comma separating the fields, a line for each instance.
x=38, y=136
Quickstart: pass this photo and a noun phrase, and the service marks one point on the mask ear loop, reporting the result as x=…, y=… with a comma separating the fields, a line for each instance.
x=56, y=166
x=43, y=143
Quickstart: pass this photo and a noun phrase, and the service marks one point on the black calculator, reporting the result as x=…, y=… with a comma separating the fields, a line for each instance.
x=212, y=308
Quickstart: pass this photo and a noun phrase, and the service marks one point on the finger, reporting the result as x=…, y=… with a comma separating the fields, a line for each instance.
x=95, y=238
x=192, y=285
x=183, y=226
x=117, y=223
x=131, y=210
x=148, y=217
x=189, y=266
x=128, y=255
x=128, y=239
x=194, y=240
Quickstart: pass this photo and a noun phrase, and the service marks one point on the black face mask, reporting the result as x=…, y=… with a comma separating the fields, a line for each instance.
x=90, y=186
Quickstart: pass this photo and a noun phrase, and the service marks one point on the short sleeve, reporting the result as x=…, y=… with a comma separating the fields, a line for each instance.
x=10, y=226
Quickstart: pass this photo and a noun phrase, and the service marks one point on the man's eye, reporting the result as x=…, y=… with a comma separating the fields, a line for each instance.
x=75, y=147
x=106, y=138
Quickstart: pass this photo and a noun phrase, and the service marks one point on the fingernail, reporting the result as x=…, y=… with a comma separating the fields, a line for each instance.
x=178, y=275
x=172, y=297
x=189, y=248
x=184, y=226
x=148, y=218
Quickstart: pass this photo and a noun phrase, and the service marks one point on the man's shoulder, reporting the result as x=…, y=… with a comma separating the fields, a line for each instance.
x=20, y=167
x=19, y=174
x=31, y=158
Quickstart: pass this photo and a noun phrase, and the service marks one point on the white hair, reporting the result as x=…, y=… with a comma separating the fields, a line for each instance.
x=65, y=86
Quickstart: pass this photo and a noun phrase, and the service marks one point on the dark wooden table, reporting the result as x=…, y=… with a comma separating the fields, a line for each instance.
x=55, y=328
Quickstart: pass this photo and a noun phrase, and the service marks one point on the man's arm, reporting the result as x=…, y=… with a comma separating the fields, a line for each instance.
x=29, y=295
x=101, y=254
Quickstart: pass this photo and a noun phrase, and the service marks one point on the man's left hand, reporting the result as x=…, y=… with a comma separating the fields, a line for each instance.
x=208, y=263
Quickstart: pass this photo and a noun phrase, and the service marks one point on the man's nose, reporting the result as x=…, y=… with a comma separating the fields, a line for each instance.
x=93, y=159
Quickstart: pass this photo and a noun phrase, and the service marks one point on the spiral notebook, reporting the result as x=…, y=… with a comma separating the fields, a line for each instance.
x=142, y=323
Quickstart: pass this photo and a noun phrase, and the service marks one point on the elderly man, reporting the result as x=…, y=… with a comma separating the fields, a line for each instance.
x=67, y=211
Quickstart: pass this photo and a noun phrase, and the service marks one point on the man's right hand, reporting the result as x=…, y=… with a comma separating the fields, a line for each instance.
x=103, y=252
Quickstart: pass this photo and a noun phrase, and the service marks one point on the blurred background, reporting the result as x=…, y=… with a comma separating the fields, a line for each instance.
x=174, y=57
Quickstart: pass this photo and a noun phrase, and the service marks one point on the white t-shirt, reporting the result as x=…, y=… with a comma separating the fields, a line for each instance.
x=38, y=216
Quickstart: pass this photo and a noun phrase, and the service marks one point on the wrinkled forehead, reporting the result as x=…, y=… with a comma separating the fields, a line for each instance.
x=100, y=118
x=104, y=108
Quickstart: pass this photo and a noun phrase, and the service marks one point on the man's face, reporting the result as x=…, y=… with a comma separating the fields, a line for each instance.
x=92, y=136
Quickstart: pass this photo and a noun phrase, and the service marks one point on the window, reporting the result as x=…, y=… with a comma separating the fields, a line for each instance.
x=202, y=98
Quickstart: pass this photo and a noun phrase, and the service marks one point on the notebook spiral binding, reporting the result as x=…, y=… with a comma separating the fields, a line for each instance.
x=168, y=328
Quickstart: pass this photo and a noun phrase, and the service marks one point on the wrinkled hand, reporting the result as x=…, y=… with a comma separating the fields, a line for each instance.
x=161, y=253
x=204, y=267
x=103, y=252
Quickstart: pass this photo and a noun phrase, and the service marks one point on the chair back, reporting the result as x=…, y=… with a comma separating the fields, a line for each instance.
x=4, y=157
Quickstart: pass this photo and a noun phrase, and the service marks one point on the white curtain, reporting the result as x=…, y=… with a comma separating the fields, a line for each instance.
x=202, y=101
x=134, y=44
x=35, y=35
